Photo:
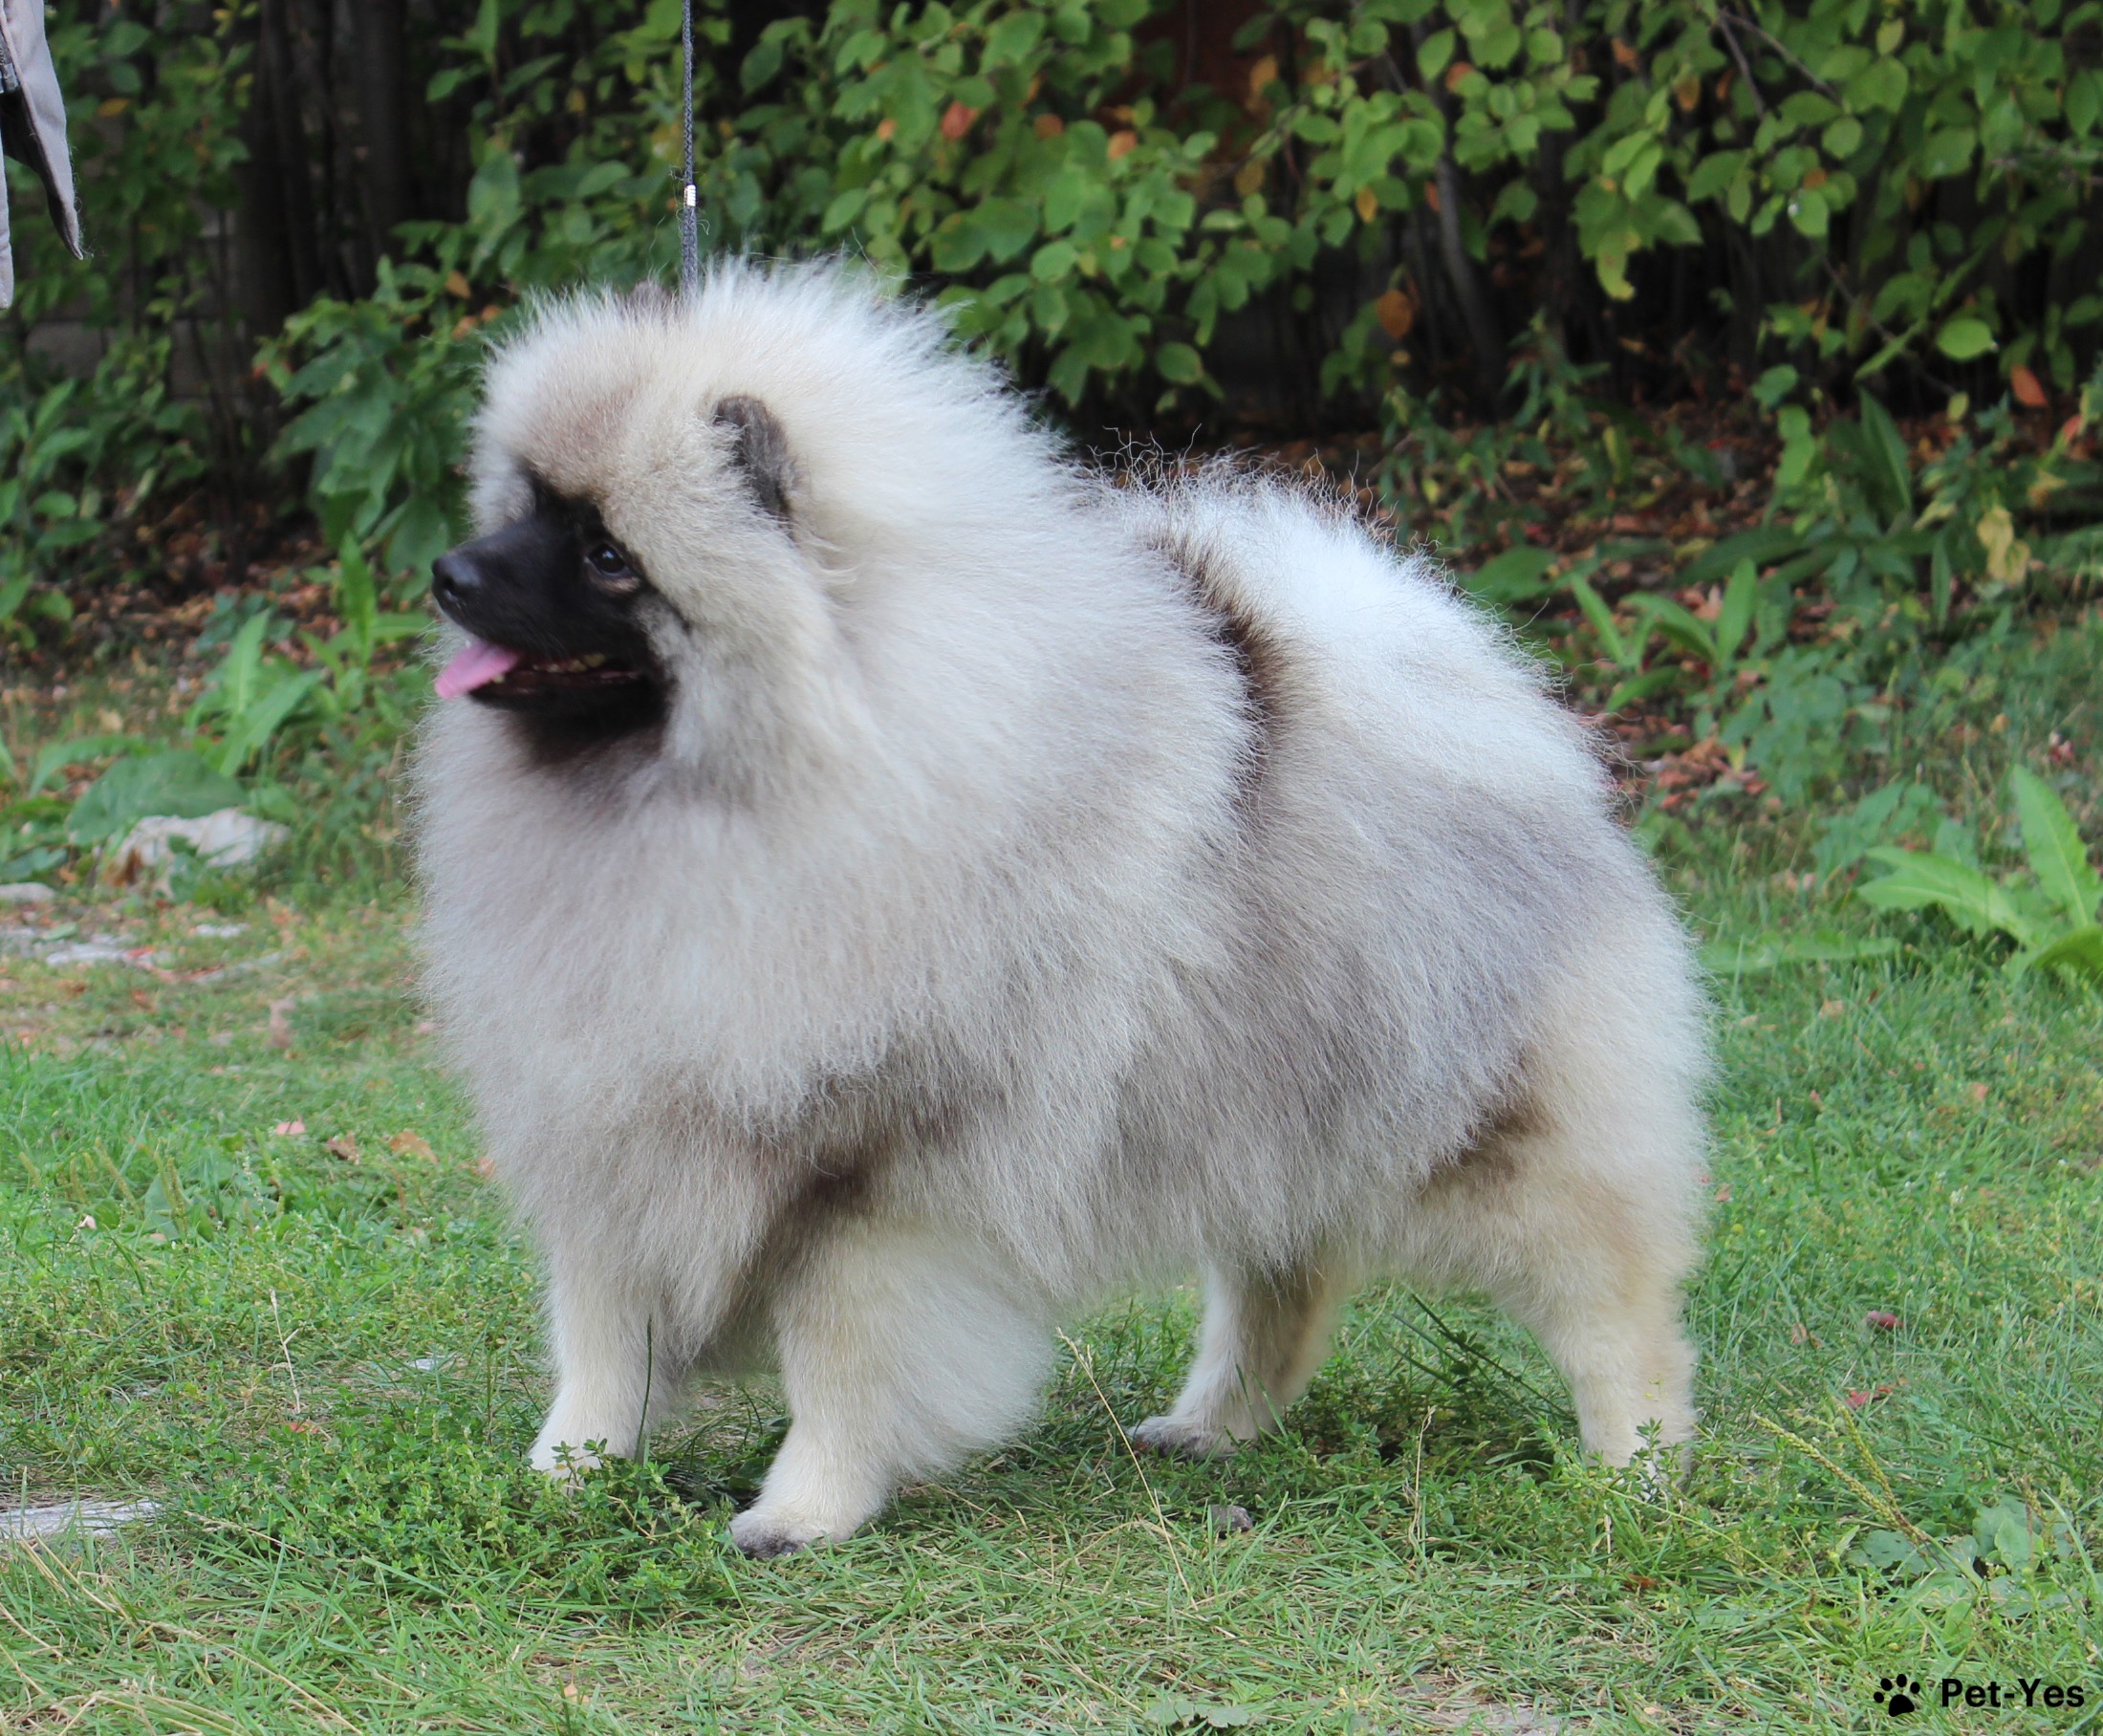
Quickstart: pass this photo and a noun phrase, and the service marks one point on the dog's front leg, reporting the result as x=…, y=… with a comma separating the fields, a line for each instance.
x=606, y=1364
x=632, y=1305
x=903, y=1349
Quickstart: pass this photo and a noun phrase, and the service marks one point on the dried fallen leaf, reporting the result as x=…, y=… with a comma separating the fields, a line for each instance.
x=409, y=1144
x=290, y=1129
x=1396, y=311
x=1800, y=1333
x=1978, y=1094
x=2029, y=390
x=486, y=1167
x=1882, y=1321
x=1856, y=1400
x=1723, y=1194
x=280, y=1032
x=1122, y=142
x=956, y=122
x=344, y=1145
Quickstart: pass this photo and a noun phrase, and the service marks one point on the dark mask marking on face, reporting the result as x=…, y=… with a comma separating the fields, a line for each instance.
x=760, y=449
x=556, y=592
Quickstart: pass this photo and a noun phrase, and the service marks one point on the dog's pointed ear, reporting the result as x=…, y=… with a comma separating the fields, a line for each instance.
x=650, y=299
x=760, y=448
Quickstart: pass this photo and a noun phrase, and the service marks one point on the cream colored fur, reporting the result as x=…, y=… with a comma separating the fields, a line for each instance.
x=1038, y=887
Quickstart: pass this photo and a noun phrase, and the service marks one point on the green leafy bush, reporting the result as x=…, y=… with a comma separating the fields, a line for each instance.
x=1407, y=208
x=156, y=149
x=2052, y=913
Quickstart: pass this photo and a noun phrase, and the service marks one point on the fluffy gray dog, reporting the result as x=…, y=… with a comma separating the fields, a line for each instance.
x=886, y=886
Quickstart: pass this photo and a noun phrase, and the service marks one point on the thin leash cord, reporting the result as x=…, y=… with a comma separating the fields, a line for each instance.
x=689, y=209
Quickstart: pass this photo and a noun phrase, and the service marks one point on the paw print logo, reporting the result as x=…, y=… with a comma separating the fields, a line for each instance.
x=1896, y=1695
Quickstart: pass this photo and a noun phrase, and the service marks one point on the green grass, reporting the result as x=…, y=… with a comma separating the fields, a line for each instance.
x=325, y=1362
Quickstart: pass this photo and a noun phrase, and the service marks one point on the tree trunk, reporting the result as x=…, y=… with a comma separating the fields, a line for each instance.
x=383, y=118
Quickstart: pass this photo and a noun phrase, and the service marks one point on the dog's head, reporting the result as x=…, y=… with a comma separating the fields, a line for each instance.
x=638, y=522
x=684, y=500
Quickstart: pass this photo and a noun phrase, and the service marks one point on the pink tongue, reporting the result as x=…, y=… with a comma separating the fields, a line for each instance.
x=475, y=664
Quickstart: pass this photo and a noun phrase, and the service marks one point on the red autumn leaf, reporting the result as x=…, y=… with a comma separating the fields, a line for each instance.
x=1856, y=1400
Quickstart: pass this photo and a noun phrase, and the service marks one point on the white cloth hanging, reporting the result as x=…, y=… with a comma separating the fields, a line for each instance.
x=33, y=127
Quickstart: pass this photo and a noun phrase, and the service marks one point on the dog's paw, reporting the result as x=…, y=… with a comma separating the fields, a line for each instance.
x=1178, y=1437
x=764, y=1536
x=562, y=1463
x=1653, y=1472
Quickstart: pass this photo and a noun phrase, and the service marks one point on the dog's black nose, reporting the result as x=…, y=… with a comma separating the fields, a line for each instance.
x=453, y=579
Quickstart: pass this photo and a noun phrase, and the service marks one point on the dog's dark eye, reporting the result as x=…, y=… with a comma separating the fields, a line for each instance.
x=608, y=561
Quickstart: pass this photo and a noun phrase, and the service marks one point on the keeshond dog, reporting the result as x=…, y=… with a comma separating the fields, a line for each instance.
x=888, y=886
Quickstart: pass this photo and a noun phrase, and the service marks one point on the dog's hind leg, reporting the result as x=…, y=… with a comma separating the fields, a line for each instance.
x=1264, y=1335
x=1577, y=1215
x=901, y=1355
